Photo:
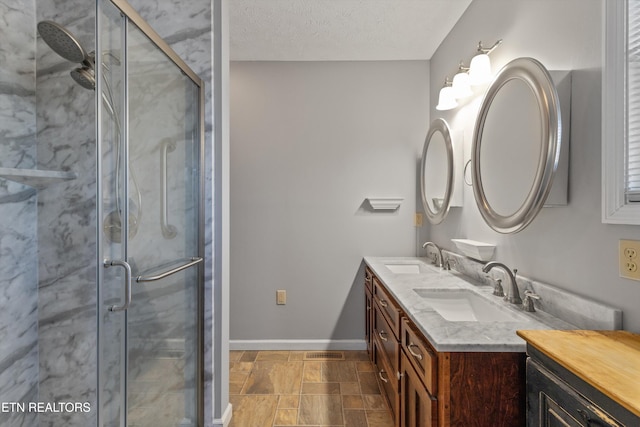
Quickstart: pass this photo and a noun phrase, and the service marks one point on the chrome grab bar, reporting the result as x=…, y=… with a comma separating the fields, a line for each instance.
x=192, y=261
x=127, y=283
x=168, y=230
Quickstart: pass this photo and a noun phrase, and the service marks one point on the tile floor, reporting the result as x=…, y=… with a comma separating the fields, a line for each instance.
x=281, y=388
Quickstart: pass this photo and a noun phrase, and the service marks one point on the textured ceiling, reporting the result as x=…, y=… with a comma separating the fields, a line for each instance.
x=325, y=30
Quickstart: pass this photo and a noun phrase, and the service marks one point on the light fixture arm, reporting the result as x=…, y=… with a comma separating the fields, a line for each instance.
x=490, y=49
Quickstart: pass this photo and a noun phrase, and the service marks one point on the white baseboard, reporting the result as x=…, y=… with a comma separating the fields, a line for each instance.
x=297, y=345
x=225, y=419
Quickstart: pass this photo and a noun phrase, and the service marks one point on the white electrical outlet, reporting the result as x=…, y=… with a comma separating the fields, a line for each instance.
x=629, y=259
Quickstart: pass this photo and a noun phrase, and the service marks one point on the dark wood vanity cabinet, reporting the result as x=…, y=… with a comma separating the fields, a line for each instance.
x=385, y=332
x=368, y=315
x=426, y=388
x=556, y=397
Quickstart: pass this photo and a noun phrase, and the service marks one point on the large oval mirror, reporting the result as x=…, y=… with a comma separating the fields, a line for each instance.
x=436, y=171
x=516, y=145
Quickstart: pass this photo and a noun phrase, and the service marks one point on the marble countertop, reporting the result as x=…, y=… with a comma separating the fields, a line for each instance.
x=457, y=336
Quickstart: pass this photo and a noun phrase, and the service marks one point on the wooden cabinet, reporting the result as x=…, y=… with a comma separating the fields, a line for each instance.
x=368, y=319
x=385, y=332
x=553, y=402
x=426, y=388
x=389, y=307
x=557, y=397
x=418, y=407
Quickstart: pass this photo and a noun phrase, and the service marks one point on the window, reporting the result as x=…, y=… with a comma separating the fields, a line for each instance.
x=621, y=113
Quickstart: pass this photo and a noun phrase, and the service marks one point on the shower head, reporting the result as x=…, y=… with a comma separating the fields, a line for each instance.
x=85, y=77
x=62, y=42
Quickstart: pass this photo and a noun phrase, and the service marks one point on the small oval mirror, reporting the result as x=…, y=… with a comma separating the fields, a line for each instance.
x=436, y=171
x=516, y=145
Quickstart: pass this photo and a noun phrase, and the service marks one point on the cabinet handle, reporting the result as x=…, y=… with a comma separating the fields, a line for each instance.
x=367, y=277
x=585, y=415
x=382, y=334
x=381, y=377
x=368, y=307
x=413, y=353
x=384, y=303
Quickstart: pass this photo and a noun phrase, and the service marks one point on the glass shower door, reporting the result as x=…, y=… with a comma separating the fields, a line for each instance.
x=151, y=154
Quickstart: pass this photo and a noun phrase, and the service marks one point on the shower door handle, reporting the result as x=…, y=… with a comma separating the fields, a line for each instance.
x=127, y=283
x=168, y=230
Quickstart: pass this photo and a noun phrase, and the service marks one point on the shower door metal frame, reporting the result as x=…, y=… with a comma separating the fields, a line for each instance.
x=132, y=16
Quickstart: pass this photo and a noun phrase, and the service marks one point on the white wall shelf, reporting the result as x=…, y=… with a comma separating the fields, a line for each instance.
x=385, y=203
x=34, y=177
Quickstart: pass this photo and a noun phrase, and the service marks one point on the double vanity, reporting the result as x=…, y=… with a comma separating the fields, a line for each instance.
x=447, y=350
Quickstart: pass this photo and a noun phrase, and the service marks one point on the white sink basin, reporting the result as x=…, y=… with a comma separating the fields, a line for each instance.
x=403, y=268
x=462, y=305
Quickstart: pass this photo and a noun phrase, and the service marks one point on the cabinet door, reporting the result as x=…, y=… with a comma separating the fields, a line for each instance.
x=368, y=301
x=387, y=379
x=388, y=305
x=553, y=403
x=383, y=332
x=417, y=407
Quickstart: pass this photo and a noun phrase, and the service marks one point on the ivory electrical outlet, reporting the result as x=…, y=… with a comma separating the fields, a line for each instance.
x=281, y=297
x=629, y=256
x=418, y=220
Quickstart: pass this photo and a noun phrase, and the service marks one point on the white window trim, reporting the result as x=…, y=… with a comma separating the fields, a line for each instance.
x=615, y=209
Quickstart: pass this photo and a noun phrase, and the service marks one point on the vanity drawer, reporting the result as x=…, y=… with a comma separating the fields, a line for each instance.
x=368, y=322
x=388, y=342
x=388, y=306
x=368, y=279
x=387, y=379
x=421, y=355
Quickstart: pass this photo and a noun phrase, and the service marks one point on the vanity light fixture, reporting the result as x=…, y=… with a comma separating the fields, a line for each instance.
x=480, y=67
x=461, y=85
x=446, y=99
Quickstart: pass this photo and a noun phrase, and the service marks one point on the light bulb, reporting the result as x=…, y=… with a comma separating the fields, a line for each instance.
x=480, y=69
x=446, y=99
x=461, y=86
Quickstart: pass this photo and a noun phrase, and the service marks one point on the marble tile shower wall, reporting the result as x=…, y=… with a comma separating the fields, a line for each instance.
x=18, y=210
x=187, y=28
x=48, y=337
x=66, y=120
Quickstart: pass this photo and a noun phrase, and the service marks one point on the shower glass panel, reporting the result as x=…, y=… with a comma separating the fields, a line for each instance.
x=150, y=137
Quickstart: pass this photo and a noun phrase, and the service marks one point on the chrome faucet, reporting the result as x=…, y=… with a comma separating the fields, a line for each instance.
x=514, y=294
x=437, y=261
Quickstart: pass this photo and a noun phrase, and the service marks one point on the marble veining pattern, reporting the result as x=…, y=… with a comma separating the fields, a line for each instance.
x=467, y=335
x=52, y=336
x=18, y=210
x=67, y=222
x=187, y=28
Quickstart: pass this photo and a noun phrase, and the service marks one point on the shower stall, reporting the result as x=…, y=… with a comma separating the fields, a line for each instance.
x=102, y=229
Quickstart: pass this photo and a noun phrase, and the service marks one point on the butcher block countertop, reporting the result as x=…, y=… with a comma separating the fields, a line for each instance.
x=607, y=360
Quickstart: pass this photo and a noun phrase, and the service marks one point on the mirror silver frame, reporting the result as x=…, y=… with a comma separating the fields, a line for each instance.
x=437, y=216
x=537, y=78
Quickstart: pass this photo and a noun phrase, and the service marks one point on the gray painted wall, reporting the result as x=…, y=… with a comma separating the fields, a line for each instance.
x=309, y=143
x=568, y=246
